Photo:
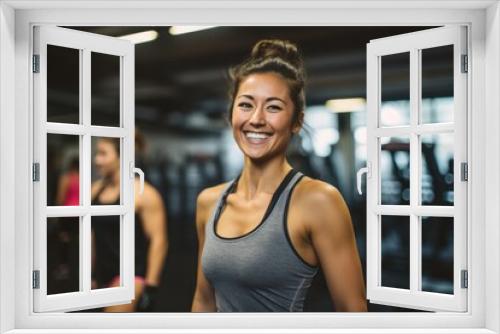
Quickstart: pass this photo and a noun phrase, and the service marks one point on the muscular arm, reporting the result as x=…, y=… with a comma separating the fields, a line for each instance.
x=153, y=216
x=204, y=298
x=334, y=243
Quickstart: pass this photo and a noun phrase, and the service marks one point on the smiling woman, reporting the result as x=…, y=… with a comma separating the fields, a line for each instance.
x=260, y=243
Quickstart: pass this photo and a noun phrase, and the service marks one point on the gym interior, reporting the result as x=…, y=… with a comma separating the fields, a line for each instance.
x=186, y=144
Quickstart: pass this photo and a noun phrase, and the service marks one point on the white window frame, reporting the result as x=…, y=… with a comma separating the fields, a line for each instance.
x=85, y=43
x=16, y=20
x=413, y=43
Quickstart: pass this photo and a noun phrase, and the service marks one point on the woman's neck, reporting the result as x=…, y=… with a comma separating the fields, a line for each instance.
x=113, y=180
x=265, y=177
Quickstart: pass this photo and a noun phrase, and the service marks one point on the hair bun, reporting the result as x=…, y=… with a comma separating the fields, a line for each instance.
x=284, y=49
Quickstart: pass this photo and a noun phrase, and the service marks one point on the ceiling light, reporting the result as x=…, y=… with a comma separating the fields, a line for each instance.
x=141, y=37
x=177, y=30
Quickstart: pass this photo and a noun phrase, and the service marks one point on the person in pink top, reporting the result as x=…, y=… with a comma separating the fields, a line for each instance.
x=68, y=192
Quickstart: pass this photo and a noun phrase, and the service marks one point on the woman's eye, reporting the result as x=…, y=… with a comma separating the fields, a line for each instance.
x=245, y=105
x=275, y=107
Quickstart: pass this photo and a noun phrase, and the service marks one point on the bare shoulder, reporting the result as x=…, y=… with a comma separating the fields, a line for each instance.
x=206, y=200
x=316, y=193
x=321, y=205
x=208, y=196
x=151, y=196
x=150, y=191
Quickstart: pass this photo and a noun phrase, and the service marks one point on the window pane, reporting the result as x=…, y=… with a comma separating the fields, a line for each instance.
x=437, y=169
x=63, y=84
x=437, y=84
x=437, y=254
x=105, y=77
x=63, y=253
x=63, y=170
x=105, y=251
x=395, y=170
x=395, y=89
x=396, y=251
x=105, y=171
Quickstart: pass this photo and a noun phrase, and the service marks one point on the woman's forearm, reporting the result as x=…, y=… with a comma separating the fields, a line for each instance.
x=359, y=305
x=157, y=251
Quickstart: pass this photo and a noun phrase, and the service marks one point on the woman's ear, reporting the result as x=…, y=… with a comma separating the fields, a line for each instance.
x=298, y=124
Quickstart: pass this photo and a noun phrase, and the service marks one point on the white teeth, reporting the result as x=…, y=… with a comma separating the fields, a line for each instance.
x=256, y=135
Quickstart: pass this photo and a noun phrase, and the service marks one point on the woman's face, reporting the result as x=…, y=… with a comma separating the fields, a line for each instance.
x=106, y=158
x=262, y=116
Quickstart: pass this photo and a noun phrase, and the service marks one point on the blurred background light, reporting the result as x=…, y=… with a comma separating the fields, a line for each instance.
x=178, y=30
x=141, y=37
x=346, y=105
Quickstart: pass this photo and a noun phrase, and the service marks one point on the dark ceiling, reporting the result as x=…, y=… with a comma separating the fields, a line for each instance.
x=184, y=74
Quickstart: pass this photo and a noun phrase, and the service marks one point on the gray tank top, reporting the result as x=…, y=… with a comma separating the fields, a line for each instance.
x=259, y=271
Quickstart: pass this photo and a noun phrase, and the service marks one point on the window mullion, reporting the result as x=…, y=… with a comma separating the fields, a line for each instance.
x=414, y=162
x=127, y=119
x=85, y=235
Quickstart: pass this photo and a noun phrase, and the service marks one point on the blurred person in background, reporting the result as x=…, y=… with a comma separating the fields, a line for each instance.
x=68, y=191
x=151, y=240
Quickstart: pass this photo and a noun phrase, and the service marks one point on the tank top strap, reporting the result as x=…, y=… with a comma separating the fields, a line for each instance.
x=284, y=196
x=99, y=192
x=221, y=199
x=276, y=206
x=295, y=179
x=95, y=199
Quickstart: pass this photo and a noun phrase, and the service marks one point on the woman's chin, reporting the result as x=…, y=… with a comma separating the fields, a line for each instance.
x=260, y=152
x=257, y=155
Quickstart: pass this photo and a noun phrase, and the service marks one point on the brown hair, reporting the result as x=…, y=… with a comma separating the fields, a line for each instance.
x=272, y=55
x=115, y=142
x=139, y=139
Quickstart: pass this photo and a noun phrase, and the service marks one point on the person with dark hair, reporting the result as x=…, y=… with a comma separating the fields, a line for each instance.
x=151, y=241
x=264, y=235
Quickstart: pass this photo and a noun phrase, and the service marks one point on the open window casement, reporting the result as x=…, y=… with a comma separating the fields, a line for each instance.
x=60, y=52
x=411, y=198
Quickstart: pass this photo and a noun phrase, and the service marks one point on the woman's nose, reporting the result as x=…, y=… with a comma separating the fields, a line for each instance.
x=258, y=116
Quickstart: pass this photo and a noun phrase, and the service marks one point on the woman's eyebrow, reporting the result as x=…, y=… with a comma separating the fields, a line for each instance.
x=268, y=99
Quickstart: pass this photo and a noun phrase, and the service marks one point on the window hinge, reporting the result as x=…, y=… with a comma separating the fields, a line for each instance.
x=465, y=279
x=36, y=171
x=36, y=279
x=36, y=63
x=465, y=66
x=464, y=170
